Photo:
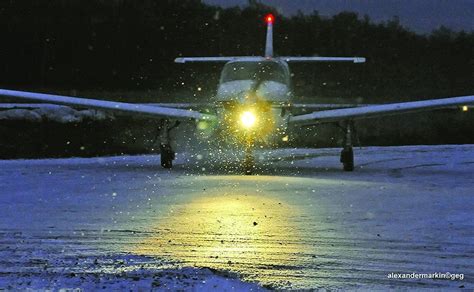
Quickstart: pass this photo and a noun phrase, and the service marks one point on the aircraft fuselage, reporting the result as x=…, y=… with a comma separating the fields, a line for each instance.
x=252, y=101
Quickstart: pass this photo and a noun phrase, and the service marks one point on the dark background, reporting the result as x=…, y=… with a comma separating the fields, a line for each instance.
x=124, y=50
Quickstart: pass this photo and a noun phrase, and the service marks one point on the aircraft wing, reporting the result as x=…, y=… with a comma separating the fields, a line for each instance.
x=324, y=59
x=152, y=111
x=370, y=111
x=261, y=59
x=218, y=59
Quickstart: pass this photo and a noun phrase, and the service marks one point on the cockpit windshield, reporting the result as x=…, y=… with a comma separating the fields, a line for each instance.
x=262, y=71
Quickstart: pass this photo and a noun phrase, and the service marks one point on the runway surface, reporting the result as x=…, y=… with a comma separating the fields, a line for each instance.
x=299, y=222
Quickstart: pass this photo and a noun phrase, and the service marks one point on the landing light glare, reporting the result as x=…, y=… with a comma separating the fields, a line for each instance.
x=248, y=119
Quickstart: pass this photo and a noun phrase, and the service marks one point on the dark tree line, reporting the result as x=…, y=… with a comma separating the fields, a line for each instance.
x=131, y=45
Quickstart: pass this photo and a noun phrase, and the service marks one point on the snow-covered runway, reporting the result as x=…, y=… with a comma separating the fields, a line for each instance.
x=301, y=222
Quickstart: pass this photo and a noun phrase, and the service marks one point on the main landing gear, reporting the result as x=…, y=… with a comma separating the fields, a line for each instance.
x=167, y=153
x=347, y=154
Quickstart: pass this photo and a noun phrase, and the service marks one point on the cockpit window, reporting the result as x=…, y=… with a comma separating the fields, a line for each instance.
x=261, y=71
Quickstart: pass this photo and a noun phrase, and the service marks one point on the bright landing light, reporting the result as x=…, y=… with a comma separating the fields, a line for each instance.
x=248, y=119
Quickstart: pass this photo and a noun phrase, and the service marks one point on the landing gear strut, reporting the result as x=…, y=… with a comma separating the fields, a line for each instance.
x=249, y=161
x=167, y=153
x=347, y=154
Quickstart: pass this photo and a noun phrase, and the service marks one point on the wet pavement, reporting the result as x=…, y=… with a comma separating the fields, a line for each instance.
x=300, y=222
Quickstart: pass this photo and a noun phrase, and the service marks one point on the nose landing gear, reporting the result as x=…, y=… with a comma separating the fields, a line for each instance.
x=249, y=161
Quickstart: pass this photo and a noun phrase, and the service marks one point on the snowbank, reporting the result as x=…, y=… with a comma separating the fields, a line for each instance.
x=49, y=112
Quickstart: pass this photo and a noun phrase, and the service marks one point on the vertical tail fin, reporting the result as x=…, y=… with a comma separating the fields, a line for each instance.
x=269, y=41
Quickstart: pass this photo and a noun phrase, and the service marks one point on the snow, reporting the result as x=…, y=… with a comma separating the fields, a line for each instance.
x=49, y=112
x=238, y=90
x=380, y=110
x=299, y=223
x=112, y=106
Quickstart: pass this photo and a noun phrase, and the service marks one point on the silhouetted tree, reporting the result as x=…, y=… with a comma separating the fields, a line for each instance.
x=128, y=44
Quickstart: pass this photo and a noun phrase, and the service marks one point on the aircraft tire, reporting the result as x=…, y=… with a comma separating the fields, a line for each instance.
x=347, y=159
x=167, y=156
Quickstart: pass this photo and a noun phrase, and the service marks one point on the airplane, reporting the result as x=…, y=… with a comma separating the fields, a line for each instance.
x=253, y=105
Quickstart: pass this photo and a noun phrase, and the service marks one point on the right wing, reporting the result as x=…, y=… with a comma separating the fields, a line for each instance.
x=370, y=111
x=218, y=59
x=112, y=106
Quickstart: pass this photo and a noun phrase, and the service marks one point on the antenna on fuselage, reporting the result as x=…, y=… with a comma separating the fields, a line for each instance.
x=269, y=18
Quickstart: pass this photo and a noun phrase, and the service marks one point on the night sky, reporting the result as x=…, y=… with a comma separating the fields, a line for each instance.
x=418, y=15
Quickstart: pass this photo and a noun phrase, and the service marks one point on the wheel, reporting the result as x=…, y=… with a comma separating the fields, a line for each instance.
x=167, y=156
x=347, y=159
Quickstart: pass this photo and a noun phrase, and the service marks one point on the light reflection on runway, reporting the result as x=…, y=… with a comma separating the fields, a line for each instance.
x=233, y=227
x=226, y=228
x=287, y=232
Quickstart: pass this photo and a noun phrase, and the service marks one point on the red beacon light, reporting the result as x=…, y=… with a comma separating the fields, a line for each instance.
x=269, y=18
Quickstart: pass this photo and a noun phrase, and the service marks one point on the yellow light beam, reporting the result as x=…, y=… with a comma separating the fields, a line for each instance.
x=248, y=119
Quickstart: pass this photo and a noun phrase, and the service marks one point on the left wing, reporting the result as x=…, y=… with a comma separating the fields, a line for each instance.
x=370, y=111
x=324, y=59
x=113, y=106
